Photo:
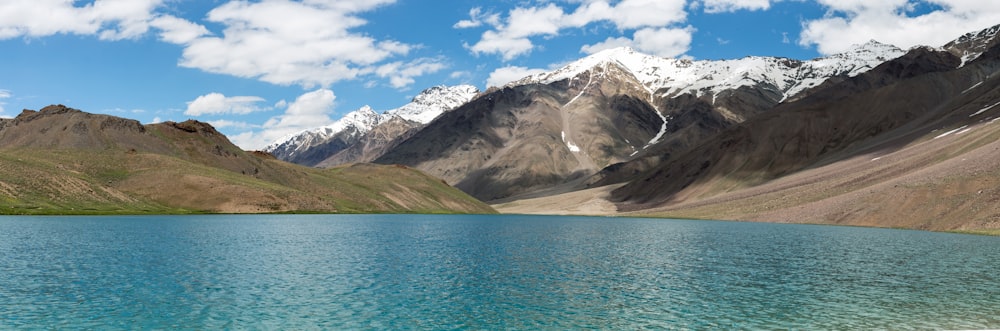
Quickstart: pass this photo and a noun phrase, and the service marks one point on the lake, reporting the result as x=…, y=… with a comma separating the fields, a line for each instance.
x=486, y=272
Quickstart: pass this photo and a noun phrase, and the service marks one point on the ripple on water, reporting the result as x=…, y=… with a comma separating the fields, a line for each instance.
x=486, y=272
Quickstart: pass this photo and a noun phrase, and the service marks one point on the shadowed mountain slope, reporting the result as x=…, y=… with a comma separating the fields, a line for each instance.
x=525, y=138
x=550, y=133
x=910, y=143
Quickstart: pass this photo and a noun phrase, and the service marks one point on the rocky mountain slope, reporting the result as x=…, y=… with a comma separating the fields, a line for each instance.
x=315, y=146
x=911, y=143
x=550, y=132
x=62, y=160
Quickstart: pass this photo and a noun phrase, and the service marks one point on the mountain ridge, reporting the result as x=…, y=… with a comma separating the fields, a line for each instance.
x=912, y=143
x=676, y=76
x=569, y=113
x=313, y=146
x=61, y=160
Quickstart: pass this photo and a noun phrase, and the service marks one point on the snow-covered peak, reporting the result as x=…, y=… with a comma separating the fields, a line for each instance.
x=363, y=119
x=432, y=102
x=423, y=109
x=679, y=76
x=356, y=122
x=623, y=56
x=971, y=45
x=867, y=53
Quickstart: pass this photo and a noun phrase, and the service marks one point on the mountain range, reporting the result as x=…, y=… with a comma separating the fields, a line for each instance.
x=757, y=138
x=364, y=129
x=874, y=136
x=557, y=128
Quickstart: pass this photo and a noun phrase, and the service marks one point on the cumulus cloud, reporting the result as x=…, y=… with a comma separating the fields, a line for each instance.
x=665, y=42
x=477, y=18
x=257, y=39
x=106, y=19
x=217, y=103
x=511, y=37
x=401, y=74
x=177, y=30
x=224, y=124
x=316, y=48
x=896, y=22
x=722, y=6
x=309, y=110
x=502, y=76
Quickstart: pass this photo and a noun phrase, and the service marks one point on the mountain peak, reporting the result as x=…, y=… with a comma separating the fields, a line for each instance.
x=973, y=44
x=626, y=57
x=680, y=76
x=872, y=47
x=423, y=109
x=365, y=109
x=431, y=102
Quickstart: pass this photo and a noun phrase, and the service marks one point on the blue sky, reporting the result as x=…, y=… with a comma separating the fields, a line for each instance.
x=259, y=70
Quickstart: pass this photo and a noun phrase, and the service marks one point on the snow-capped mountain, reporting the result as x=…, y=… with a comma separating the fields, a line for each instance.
x=430, y=103
x=556, y=128
x=312, y=146
x=669, y=77
x=972, y=45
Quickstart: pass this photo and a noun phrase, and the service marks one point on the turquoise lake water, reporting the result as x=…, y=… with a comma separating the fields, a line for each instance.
x=486, y=272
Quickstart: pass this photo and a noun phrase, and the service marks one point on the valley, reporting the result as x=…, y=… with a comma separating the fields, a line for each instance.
x=865, y=137
x=875, y=136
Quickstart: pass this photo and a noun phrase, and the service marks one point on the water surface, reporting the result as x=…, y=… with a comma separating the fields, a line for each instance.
x=486, y=272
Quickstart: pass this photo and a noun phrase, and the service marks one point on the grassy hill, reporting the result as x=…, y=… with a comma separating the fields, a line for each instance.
x=63, y=161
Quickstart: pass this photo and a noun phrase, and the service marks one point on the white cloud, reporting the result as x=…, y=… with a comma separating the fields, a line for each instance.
x=722, y=6
x=316, y=48
x=512, y=37
x=665, y=42
x=401, y=74
x=217, y=103
x=477, y=18
x=178, y=31
x=310, y=110
x=502, y=76
x=610, y=43
x=221, y=124
x=281, y=104
x=285, y=42
x=461, y=74
x=107, y=19
x=850, y=22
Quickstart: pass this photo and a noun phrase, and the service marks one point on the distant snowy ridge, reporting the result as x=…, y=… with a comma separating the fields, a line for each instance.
x=669, y=77
x=424, y=108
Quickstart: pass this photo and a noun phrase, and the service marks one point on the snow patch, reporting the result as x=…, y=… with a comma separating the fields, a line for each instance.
x=952, y=131
x=973, y=86
x=572, y=147
x=569, y=144
x=984, y=109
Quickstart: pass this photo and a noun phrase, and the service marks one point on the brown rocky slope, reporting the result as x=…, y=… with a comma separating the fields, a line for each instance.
x=913, y=143
x=62, y=160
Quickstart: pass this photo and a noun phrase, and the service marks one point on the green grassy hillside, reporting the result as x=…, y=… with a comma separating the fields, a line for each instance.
x=62, y=161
